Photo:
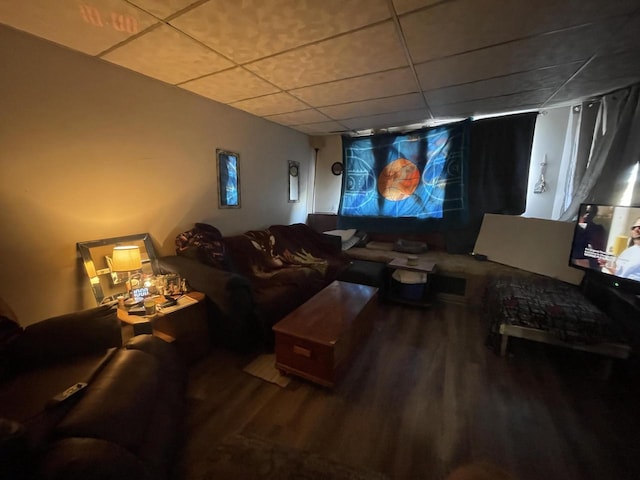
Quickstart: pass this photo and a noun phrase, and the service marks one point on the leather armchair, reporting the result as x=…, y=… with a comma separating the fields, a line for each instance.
x=124, y=424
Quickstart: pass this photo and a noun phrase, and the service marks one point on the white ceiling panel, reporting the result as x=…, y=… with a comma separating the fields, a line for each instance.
x=168, y=55
x=299, y=118
x=163, y=8
x=404, y=6
x=454, y=27
x=260, y=28
x=322, y=128
x=230, y=86
x=366, y=108
x=271, y=105
x=364, y=51
x=87, y=27
x=602, y=75
x=341, y=65
x=551, y=77
x=518, y=56
x=387, y=120
x=516, y=101
x=375, y=85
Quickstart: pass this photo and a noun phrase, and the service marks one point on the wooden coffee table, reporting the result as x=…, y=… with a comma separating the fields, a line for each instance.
x=317, y=340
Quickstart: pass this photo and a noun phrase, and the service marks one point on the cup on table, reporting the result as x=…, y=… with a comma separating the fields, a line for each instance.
x=149, y=306
x=412, y=260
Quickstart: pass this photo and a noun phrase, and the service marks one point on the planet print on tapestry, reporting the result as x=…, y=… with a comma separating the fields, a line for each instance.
x=398, y=180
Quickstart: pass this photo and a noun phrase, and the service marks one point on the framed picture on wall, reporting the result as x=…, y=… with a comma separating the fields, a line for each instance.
x=228, y=167
x=294, y=181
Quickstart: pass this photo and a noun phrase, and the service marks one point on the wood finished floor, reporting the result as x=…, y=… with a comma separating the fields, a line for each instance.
x=425, y=395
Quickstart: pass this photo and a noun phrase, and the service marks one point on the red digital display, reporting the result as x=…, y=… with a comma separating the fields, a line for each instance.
x=117, y=21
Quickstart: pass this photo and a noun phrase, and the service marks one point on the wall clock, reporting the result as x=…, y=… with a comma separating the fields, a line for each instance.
x=337, y=168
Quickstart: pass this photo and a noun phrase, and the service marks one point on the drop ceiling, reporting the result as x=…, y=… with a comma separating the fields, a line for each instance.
x=327, y=66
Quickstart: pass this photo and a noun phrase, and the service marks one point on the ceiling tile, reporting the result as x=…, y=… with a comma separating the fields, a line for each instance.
x=365, y=51
x=271, y=104
x=403, y=6
x=299, y=118
x=375, y=85
x=505, y=103
x=168, y=55
x=453, y=27
x=551, y=77
x=163, y=8
x=346, y=58
x=322, y=128
x=89, y=28
x=366, y=108
x=626, y=37
x=260, y=29
x=602, y=75
x=522, y=55
x=230, y=86
x=387, y=120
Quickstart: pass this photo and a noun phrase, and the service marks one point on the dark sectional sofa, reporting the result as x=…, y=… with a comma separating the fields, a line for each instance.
x=125, y=424
x=254, y=279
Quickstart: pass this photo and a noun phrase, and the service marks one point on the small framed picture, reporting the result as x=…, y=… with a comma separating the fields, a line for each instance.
x=228, y=166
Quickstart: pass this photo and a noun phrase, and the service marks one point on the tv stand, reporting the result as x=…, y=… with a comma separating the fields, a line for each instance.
x=623, y=307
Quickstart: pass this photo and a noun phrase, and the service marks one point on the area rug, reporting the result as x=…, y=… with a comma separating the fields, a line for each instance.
x=264, y=367
x=249, y=457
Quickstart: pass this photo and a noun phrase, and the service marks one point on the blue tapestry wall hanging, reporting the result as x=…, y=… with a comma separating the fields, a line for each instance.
x=406, y=181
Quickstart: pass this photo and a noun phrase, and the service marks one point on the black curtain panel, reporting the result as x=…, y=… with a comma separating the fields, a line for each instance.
x=500, y=155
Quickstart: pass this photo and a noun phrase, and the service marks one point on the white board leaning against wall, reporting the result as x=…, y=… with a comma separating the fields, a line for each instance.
x=532, y=244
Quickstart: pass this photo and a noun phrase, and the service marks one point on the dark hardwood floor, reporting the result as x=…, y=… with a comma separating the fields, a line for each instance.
x=424, y=395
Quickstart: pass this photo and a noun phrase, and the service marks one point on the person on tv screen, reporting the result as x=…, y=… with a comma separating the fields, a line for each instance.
x=627, y=265
x=589, y=235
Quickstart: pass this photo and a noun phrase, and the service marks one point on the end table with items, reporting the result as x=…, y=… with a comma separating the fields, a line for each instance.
x=184, y=325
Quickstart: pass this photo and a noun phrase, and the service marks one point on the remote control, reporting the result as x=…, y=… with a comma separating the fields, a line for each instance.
x=170, y=302
x=137, y=311
x=69, y=392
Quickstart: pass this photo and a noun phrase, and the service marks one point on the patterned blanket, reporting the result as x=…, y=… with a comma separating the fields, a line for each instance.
x=546, y=304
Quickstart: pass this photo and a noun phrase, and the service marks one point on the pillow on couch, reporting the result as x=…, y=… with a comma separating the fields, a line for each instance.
x=203, y=243
x=408, y=246
x=348, y=238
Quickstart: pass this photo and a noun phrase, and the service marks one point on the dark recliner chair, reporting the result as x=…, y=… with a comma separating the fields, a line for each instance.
x=124, y=424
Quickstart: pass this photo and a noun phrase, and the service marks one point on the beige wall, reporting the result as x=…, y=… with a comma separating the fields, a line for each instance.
x=90, y=150
x=328, y=186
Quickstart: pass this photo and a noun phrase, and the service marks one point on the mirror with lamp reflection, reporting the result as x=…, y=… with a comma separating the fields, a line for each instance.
x=118, y=266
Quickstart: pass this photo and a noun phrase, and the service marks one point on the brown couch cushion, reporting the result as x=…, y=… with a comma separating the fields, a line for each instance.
x=117, y=405
x=66, y=336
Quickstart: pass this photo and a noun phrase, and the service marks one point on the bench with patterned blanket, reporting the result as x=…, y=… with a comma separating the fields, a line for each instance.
x=547, y=310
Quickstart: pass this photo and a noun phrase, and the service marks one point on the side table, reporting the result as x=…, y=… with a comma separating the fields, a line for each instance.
x=185, y=327
x=395, y=292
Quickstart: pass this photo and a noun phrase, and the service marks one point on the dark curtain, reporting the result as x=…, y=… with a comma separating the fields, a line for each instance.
x=624, y=152
x=500, y=155
x=613, y=150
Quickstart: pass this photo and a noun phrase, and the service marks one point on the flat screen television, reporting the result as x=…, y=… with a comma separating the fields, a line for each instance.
x=606, y=242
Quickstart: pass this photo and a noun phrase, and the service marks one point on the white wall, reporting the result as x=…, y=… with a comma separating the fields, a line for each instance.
x=89, y=150
x=328, y=185
x=549, y=140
